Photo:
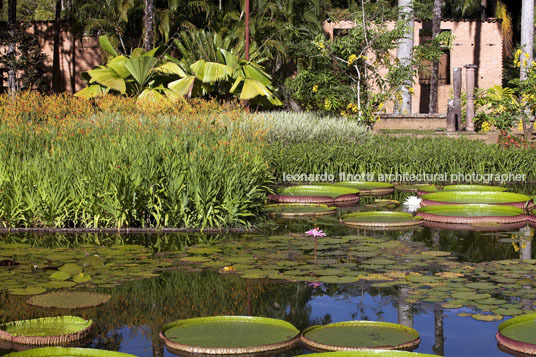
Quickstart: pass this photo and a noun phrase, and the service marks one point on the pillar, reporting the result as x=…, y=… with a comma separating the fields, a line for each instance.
x=470, y=86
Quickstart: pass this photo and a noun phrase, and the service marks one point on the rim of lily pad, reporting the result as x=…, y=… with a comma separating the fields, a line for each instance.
x=473, y=214
x=279, y=345
x=512, y=343
x=423, y=187
x=477, y=197
x=307, y=209
x=475, y=188
x=532, y=220
x=74, y=328
x=67, y=351
x=325, y=193
x=83, y=298
x=476, y=227
x=369, y=188
x=378, y=219
x=407, y=345
x=368, y=353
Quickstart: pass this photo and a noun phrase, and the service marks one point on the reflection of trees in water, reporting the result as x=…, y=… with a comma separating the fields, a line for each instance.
x=108, y=341
x=474, y=247
x=156, y=242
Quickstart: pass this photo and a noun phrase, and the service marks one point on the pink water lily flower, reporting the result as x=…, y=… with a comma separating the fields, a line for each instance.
x=315, y=232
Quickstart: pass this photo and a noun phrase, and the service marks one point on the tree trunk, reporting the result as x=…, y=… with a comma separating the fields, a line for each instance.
x=434, y=78
x=56, y=81
x=405, y=53
x=12, y=23
x=527, y=45
x=484, y=10
x=148, y=43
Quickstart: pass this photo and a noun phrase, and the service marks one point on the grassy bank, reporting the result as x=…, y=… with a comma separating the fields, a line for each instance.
x=66, y=162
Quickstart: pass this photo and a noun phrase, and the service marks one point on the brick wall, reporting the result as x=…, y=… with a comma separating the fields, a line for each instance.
x=76, y=56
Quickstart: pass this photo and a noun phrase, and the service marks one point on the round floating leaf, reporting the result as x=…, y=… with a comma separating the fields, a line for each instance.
x=474, y=188
x=299, y=209
x=472, y=214
x=518, y=334
x=353, y=335
x=67, y=351
x=71, y=268
x=30, y=290
x=424, y=187
x=81, y=278
x=69, y=300
x=45, y=330
x=484, y=197
x=368, y=353
x=369, y=188
x=55, y=284
x=339, y=279
x=326, y=193
x=507, y=311
x=470, y=295
x=484, y=317
x=229, y=334
x=60, y=275
x=380, y=219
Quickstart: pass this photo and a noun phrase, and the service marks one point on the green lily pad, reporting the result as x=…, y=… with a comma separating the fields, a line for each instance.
x=417, y=187
x=30, y=290
x=71, y=268
x=483, y=197
x=69, y=300
x=300, y=209
x=322, y=193
x=518, y=334
x=60, y=275
x=380, y=219
x=360, y=334
x=229, y=334
x=369, y=188
x=46, y=330
x=475, y=188
x=487, y=317
x=67, y=351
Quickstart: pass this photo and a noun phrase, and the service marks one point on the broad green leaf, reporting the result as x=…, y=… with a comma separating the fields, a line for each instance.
x=118, y=65
x=253, y=88
x=92, y=91
x=171, y=68
x=140, y=68
x=230, y=59
x=108, y=78
x=150, y=94
x=210, y=72
x=238, y=80
x=253, y=72
x=107, y=46
x=137, y=52
x=183, y=86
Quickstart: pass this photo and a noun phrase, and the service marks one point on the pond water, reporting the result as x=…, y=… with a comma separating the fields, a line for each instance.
x=436, y=281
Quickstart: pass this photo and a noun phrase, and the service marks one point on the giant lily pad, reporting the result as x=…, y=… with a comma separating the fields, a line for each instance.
x=473, y=214
x=325, y=193
x=369, y=188
x=45, y=330
x=519, y=334
x=69, y=300
x=360, y=335
x=480, y=197
x=475, y=188
x=67, y=351
x=300, y=209
x=229, y=335
x=368, y=353
x=422, y=187
x=377, y=219
x=532, y=220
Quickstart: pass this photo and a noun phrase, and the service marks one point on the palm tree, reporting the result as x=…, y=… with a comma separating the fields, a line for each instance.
x=434, y=78
x=12, y=23
x=404, y=53
x=527, y=36
x=56, y=82
x=148, y=41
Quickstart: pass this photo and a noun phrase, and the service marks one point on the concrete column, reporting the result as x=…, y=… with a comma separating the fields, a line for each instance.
x=457, y=79
x=470, y=87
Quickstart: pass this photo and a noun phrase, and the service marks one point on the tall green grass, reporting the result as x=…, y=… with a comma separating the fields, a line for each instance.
x=117, y=173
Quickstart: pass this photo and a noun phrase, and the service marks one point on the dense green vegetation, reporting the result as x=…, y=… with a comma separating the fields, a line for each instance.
x=69, y=162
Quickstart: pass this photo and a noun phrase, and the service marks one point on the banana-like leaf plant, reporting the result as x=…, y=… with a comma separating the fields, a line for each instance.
x=141, y=74
x=249, y=79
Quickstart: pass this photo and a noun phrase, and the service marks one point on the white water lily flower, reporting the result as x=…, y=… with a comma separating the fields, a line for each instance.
x=412, y=203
